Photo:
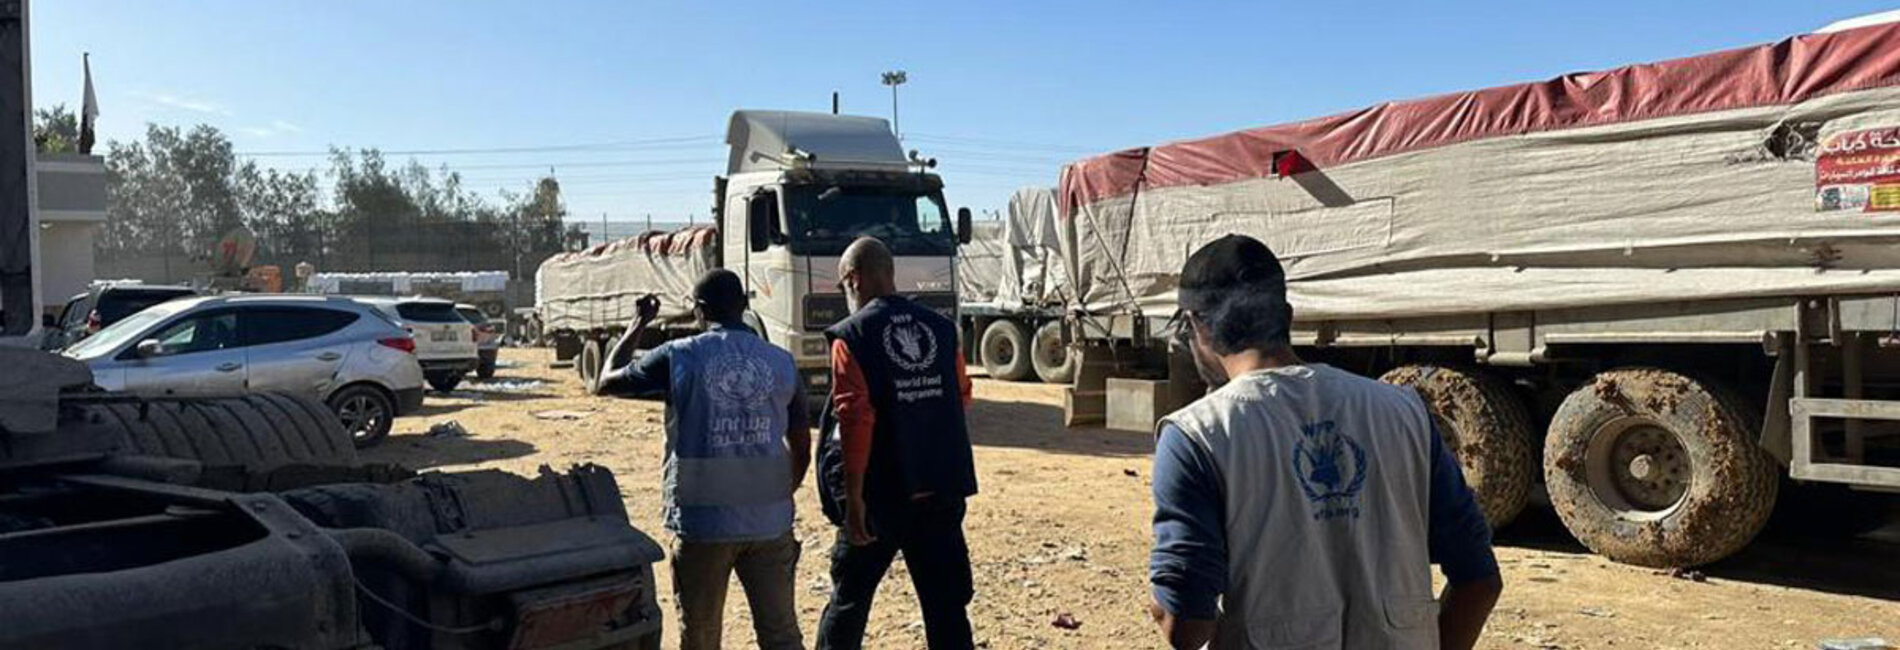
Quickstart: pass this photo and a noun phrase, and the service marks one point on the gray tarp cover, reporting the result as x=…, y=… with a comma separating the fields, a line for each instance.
x=597, y=288
x=1713, y=195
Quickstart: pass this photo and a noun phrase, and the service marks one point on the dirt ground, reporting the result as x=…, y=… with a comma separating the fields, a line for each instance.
x=1061, y=526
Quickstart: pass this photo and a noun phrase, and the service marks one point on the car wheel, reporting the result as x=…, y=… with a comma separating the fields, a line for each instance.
x=445, y=382
x=366, y=413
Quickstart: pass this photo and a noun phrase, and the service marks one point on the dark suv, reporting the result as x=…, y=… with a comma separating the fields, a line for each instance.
x=93, y=310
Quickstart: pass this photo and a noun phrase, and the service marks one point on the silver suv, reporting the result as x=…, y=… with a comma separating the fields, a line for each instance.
x=337, y=350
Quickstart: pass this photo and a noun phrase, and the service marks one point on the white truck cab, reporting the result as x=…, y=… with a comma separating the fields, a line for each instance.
x=799, y=188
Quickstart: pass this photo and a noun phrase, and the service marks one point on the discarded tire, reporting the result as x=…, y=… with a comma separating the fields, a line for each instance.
x=1486, y=426
x=1005, y=351
x=588, y=363
x=1054, y=362
x=1653, y=468
x=256, y=432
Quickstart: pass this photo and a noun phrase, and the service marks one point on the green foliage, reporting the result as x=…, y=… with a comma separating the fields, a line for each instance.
x=177, y=192
x=55, y=130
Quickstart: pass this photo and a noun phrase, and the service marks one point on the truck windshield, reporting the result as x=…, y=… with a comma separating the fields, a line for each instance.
x=824, y=220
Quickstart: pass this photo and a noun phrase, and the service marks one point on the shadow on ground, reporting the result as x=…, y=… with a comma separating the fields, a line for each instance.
x=1032, y=425
x=1867, y=565
x=419, y=451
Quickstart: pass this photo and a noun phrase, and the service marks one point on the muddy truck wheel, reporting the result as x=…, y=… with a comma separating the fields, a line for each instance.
x=1054, y=362
x=588, y=364
x=1005, y=351
x=1485, y=426
x=1653, y=468
x=257, y=432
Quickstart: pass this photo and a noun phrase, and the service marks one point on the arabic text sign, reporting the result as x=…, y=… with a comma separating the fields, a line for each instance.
x=1858, y=171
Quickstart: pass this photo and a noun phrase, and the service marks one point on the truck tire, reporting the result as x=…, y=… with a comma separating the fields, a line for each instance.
x=1054, y=362
x=588, y=364
x=257, y=432
x=365, y=412
x=1005, y=351
x=1654, y=468
x=1486, y=426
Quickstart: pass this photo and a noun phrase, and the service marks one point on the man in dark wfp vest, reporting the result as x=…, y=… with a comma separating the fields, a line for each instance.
x=896, y=475
x=737, y=445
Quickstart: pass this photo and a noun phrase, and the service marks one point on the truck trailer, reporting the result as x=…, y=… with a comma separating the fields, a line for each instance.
x=1668, y=292
x=799, y=188
x=1011, y=285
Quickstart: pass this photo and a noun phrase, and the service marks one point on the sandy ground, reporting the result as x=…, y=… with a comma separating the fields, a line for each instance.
x=1061, y=526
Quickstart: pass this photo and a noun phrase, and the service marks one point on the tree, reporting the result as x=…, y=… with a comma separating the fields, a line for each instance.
x=55, y=130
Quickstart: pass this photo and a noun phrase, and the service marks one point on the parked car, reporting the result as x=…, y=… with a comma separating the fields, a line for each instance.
x=340, y=351
x=445, y=341
x=104, y=305
x=487, y=338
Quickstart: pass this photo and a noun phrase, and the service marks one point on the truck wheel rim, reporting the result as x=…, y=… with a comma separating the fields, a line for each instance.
x=1638, y=468
x=360, y=415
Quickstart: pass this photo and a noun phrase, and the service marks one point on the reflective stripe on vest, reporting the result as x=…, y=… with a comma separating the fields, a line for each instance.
x=727, y=476
x=1327, y=547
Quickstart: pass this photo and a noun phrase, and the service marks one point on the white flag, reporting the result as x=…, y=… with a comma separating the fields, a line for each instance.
x=88, y=110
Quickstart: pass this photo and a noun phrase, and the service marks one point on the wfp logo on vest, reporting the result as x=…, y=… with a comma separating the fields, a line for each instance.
x=910, y=344
x=1331, y=469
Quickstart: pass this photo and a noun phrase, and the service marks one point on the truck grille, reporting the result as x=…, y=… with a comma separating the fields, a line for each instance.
x=823, y=310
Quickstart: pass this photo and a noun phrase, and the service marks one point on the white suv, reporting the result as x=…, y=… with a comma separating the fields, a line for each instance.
x=445, y=342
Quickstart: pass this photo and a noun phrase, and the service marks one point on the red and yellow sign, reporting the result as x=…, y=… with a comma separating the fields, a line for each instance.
x=1858, y=171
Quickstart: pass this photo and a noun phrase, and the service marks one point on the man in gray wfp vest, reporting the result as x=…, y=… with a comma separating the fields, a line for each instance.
x=1298, y=505
x=737, y=445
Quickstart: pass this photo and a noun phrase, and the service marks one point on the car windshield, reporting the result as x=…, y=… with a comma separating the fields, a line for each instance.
x=824, y=220
x=116, y=334
x=472, y=315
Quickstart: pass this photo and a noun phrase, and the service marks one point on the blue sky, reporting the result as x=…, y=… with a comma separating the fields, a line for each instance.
x=1001, y=93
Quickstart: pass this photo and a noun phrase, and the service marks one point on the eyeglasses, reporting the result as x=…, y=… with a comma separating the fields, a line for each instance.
x=842, y=277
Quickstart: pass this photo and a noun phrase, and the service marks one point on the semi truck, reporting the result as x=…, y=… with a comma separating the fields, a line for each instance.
x=799, y=187
x=1665, y=295
x=1011, y=285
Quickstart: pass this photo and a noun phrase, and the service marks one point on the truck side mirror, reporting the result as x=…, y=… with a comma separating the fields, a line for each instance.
x=149, y=348
x=762, y=221
x=965, y=229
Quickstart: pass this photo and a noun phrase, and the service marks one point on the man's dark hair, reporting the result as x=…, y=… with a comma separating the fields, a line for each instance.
x=721, y=295
x=1236, y=286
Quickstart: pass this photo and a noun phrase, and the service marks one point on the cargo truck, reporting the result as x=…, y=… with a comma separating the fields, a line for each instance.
x=1011, y=284
x=1669, y=292
x=799, y=188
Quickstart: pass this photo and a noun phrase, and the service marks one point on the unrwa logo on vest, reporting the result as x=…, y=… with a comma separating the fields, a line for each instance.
x=910, y=344
x=1331, y=469
x=737, y=380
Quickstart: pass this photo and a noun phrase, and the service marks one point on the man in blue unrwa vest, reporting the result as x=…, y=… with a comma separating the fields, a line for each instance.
x=896, y=476
x=1298, y=505
x=737, y=445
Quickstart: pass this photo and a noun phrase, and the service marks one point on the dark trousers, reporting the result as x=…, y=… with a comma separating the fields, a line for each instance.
x=930, y=534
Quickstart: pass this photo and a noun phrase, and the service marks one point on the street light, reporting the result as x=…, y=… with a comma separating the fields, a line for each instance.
x=894, y=79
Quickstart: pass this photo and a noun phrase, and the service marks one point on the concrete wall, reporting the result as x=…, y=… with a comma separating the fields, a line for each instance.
x=72, y=207
x=66, y=264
